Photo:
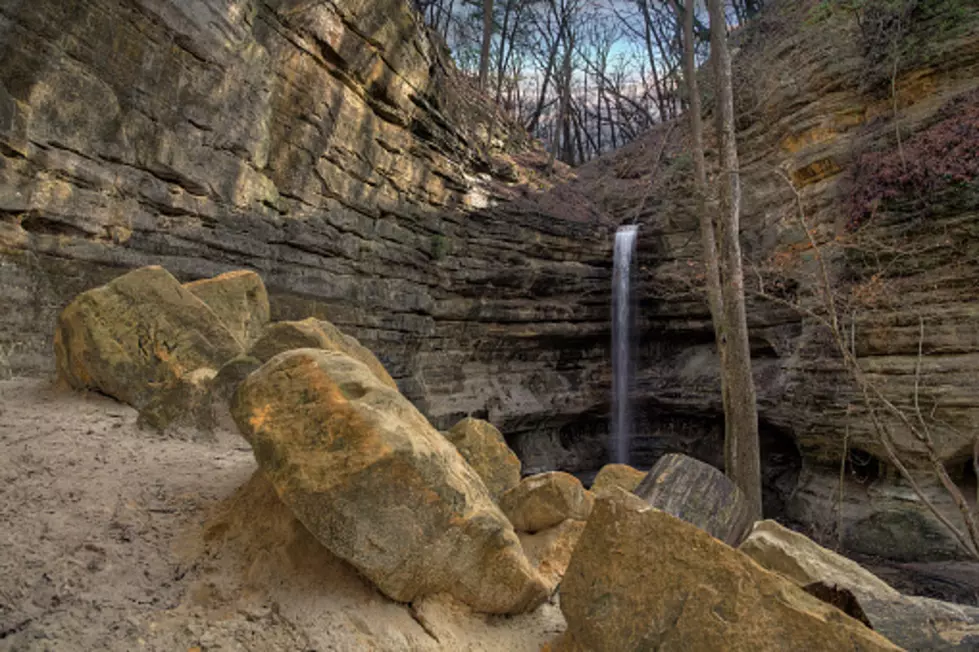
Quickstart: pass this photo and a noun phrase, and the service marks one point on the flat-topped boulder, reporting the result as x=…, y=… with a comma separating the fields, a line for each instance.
x=699, y=494
x=137, y=335
x=380, y=487
x=240, y=301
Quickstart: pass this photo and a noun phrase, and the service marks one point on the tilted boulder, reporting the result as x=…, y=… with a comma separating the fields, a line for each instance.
x=138, y=334
x=381, y=488
x=911, y=622
x=240, y=301
x=641, y=579
x=483, y=446
x=315, y=333
x=699, y=494
x=545, y=500
x=803, y=561
x=617, y=475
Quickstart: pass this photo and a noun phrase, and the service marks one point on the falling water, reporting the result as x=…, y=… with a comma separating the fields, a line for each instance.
x=622, y=343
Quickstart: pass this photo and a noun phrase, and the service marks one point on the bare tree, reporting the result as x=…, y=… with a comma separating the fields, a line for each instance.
x=883, y=411
x=722, y=262
x=484, y=52
x=742, y=457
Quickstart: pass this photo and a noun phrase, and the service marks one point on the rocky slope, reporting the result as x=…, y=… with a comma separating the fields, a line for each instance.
x=327, y=146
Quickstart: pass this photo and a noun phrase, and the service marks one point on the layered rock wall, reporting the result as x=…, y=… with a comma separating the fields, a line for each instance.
x=330, y=148
x=814, y=120
x=327, y=146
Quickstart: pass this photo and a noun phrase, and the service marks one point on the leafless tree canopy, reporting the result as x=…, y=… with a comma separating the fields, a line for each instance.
x=584, y=76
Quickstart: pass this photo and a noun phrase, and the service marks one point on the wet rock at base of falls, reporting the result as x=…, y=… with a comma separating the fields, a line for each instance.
x=545, y=500
x=881, y=515
x=315, y=333
x=699, y=494
x=137, y=335
x=642, y=579
x=911, y=622
x=240, y=301
x=617, y=475
x=379, y=486
x=484, y=448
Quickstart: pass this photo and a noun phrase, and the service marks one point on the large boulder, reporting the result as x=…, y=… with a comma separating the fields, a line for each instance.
x=544, y=500
x=139, y=334
x=911, y=622
x=641, y=579
x=617, y=475
x=483, y=446
x=379, y=486
x=803, y=561
x=315, y=333
x=699, y=494
x=240, y=301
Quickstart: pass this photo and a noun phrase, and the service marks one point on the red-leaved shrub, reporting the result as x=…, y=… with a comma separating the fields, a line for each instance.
x=932, y=161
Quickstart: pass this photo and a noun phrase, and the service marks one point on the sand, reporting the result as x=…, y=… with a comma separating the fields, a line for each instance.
x=115, y=538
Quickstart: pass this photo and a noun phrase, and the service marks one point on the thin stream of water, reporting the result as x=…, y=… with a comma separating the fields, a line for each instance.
x=623, y=363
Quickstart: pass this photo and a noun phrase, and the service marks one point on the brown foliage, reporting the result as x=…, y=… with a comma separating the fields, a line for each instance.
x=942, y=157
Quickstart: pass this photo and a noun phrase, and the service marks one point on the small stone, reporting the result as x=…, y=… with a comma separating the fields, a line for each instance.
x=484, y=448
x=545, y=500
x=617, y=475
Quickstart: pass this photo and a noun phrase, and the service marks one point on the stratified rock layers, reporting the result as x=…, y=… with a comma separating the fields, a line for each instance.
x=326, y=146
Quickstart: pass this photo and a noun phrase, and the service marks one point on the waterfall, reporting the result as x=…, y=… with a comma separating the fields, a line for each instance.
x=623, y=362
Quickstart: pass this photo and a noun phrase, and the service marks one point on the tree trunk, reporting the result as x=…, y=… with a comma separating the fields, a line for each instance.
x=484, y=53
x=549, y=70
x=741, y=449
x=502, y=56
x=647, y=23
x=712, y=275
x=564, y=92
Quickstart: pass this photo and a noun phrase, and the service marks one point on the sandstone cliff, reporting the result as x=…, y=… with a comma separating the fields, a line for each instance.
x=817, y=117
x=328, y=146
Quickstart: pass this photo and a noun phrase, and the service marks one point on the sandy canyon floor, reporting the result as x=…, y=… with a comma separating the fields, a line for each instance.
x=114, y=538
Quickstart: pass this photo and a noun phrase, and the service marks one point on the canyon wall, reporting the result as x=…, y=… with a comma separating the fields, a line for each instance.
x=331, y=148
x=328, y=146
x=885, y=173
